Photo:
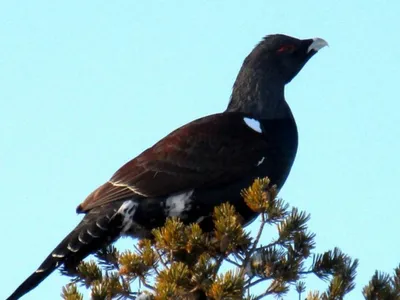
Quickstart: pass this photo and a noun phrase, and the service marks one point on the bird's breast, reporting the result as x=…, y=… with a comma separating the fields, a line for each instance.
x=281, y=142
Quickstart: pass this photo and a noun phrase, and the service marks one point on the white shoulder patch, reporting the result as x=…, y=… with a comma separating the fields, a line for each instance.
x=176, y=204
x=253, y=124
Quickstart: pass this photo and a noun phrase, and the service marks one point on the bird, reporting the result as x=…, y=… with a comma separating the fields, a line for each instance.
x=200, y=165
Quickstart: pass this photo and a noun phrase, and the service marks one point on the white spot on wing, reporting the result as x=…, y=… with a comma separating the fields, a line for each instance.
x=260, y=161
x=127, y=210
x=177, y=203
x=253, y=124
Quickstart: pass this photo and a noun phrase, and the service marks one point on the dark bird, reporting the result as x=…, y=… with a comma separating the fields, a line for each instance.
x=200, y=165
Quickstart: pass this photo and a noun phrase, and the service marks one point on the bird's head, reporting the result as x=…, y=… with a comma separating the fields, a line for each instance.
x=282, y=56
x=275, y=61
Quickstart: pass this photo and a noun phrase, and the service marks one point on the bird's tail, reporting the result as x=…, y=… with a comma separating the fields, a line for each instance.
x=98, y=228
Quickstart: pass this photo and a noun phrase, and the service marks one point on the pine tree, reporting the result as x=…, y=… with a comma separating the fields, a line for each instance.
x=183, y=262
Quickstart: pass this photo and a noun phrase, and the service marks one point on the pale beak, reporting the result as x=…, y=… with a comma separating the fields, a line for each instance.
x=317, y=44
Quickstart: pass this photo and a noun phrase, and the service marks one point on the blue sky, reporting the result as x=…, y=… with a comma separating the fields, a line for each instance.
x=86, y=86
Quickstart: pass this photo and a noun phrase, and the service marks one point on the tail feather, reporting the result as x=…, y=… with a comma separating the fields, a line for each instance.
x=100, y=227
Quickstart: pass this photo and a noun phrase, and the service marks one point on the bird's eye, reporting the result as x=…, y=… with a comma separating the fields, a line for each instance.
x=286, y=49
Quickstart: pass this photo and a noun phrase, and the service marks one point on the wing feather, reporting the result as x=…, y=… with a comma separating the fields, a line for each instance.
x=207, y=152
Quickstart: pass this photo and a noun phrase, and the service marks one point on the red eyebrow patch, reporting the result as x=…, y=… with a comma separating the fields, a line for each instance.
x=286, y=48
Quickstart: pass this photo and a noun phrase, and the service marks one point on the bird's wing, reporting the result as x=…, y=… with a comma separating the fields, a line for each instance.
x=207, y=152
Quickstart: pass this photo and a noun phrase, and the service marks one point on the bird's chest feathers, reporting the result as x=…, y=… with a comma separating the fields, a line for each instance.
x=271, y=139
x=256, y=140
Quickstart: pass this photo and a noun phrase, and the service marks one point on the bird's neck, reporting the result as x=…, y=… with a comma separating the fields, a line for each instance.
x=260, y=96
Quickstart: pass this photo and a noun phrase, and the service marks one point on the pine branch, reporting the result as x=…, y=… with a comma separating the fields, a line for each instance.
x=383, y=286
x=183, y=262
